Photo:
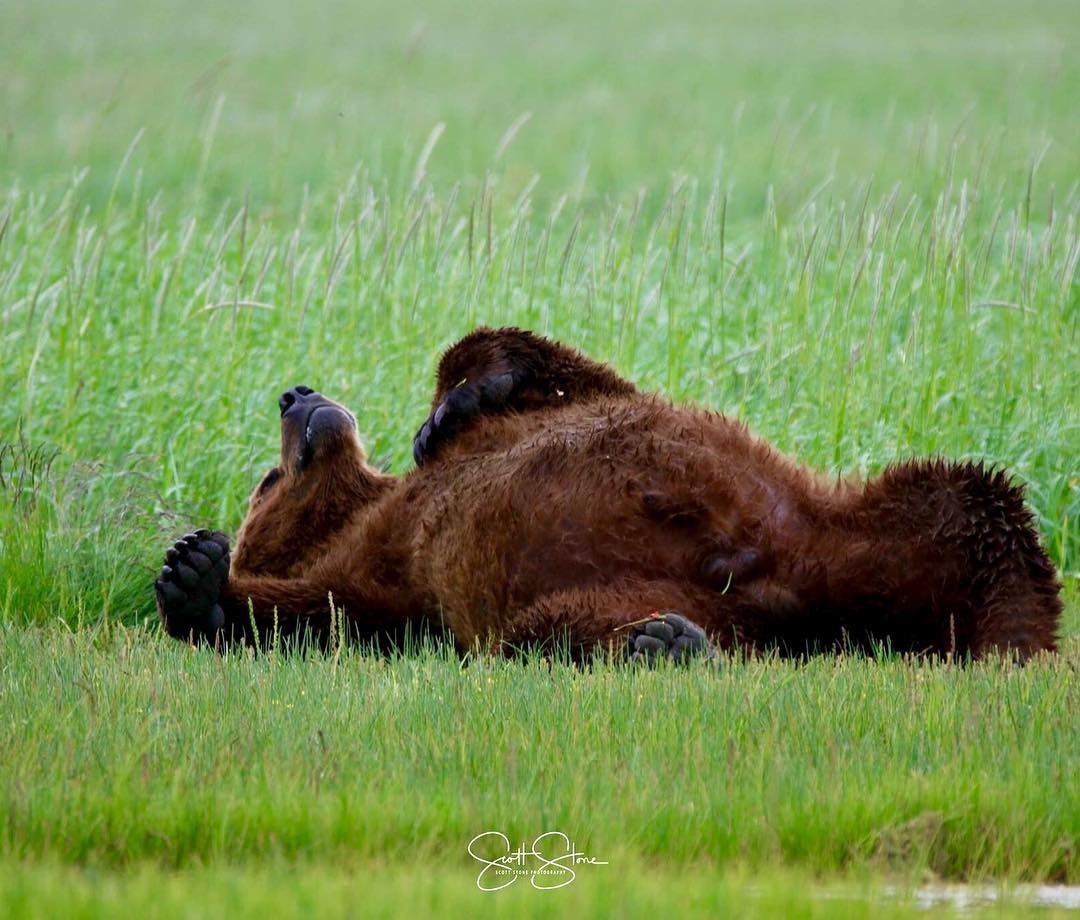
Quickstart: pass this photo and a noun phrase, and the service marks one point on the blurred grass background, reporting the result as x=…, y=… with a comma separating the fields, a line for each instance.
x=617, y=96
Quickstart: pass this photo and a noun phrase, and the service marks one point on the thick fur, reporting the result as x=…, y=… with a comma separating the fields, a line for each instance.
x=556, y=501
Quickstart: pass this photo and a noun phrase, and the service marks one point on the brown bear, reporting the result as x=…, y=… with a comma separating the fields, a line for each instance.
x=554, y=500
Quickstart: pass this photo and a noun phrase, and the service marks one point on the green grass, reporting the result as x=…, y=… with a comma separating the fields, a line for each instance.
x=130, y=749
x=741, y=762
x=380, y=891
x=856, y=226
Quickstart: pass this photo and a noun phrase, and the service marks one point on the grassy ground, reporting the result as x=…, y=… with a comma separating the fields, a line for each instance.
x=853, y=225
x=379, y=891
x=131, y=756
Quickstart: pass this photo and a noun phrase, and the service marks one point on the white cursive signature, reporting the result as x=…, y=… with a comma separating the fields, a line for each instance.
x=546, y=870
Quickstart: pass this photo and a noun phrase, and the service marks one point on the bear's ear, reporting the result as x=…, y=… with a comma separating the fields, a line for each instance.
x=268, y=481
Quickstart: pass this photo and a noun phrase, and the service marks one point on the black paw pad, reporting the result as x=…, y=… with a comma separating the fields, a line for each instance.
x=456, y=409
x=668, y=634
x=189, y=586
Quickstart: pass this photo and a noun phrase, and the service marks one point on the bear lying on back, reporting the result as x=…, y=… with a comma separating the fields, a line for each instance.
x=555, y=501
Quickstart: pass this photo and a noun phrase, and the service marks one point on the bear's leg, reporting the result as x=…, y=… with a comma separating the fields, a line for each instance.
x=1019, y=617
x=199, y=601
x=969, y=565
x=497, y=370
x=643, y=621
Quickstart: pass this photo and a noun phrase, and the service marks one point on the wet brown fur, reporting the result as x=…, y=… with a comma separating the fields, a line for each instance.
x=581, y=505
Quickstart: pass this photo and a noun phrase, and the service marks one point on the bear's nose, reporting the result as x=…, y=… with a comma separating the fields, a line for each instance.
x=291, y=397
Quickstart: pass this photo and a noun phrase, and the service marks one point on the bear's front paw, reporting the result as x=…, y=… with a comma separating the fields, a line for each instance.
x=668, y=634
x=189, y=586
x=457, y=408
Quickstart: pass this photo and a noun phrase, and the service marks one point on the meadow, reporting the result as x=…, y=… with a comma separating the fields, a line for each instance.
x=853, y=225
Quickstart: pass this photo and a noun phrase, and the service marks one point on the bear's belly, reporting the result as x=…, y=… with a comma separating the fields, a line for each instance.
x=587, y=505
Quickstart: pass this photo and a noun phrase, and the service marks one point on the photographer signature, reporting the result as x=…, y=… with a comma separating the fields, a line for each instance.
x=548, y=862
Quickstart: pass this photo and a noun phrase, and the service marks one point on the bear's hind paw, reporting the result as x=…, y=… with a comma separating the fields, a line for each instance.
x=668, y=635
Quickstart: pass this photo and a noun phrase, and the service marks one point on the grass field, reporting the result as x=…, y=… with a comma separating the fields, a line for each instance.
x=853, y=225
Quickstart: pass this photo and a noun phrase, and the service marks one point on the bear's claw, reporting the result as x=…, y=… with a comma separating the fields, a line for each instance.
x=668, y=634
x=189, y=586
x=457, y=408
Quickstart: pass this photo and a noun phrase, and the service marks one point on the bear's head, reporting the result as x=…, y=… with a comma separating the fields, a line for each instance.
x=321, y=481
